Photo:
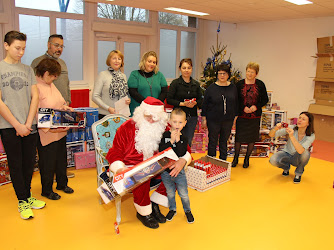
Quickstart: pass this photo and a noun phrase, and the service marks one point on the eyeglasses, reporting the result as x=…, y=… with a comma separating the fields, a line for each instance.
x=222, y=73
x=58, y=45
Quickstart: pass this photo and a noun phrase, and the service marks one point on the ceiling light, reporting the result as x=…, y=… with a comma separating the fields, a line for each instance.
x=299, y=2
x=187, y=11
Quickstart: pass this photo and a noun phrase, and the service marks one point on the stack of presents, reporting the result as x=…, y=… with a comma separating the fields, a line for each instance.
x=323, y=109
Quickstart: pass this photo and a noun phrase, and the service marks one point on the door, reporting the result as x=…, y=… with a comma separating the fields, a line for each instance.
x=132, y=47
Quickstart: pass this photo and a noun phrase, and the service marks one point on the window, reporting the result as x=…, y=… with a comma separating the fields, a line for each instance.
x=111, y=11
x=167, y=58
x=176, y=19
x=69, y=6
x=73, y=52
x=37, y=29
x=188, y=46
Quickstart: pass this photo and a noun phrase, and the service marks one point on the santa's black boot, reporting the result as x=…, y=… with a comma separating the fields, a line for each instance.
x=157, y=214
x=148, y=221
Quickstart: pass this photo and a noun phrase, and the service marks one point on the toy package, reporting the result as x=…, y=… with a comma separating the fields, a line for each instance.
x=54, y=118
x=132, y=177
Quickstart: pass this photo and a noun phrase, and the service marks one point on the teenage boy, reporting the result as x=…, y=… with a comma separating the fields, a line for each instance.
x=18, y=106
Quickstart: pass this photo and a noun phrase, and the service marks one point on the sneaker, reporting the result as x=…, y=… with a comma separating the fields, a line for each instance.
x=190, y=217
x=285, y=173
x=70, y=174
x=36, y=204
x=170, y=215
x=25, y=210
x=297, y=179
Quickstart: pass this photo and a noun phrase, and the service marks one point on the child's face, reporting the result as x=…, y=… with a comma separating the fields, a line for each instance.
x=177, y=122
x=16, y=50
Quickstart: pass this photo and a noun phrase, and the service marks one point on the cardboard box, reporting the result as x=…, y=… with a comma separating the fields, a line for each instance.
x=324, y=90
x=53, y=118
x=325, y=69
x=323, y=122
x=202, y=181
x=324, y=102
x=325, y=45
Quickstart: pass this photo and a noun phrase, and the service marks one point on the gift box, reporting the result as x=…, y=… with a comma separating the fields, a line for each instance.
x=73, y=148
x=84, y=160
x=4, y=170
x=53, y=118
x=214, y=172
x=92, y=115
x=132, y=177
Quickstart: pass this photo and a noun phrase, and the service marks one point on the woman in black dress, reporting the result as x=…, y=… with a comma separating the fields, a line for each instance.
x=252, y=95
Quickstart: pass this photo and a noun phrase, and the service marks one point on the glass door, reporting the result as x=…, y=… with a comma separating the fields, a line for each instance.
x=131, y=46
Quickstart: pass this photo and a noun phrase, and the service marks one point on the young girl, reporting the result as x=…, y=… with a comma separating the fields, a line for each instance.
x=295, y=152
x=18, y=106
x=52, y=143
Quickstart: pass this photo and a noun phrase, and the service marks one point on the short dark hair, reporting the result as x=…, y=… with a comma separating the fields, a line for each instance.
x=310, y=127
x=14, y=35
x=50, y=65
x=223, y=67
x=186, y=60
x=55, y=36
x=178, y=111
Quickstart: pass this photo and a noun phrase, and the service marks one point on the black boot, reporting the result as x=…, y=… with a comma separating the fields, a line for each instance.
x=157, y=214
x=235, y=162
x=148, y=221
x=246, y=163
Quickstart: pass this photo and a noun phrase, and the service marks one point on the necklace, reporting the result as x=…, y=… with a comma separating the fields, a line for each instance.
x=149, y=84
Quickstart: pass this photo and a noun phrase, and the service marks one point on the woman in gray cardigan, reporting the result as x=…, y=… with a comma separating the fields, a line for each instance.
x=111, y=85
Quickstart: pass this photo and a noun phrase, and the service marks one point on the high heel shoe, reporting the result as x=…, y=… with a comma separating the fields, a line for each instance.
x=246, y=163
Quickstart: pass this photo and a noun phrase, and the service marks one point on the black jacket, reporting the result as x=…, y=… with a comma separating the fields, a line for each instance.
x=179, y=90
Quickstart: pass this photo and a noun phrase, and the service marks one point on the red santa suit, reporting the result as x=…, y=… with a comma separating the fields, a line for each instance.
x=124, y=153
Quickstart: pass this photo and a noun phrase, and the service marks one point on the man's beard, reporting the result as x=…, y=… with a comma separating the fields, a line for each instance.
x=148, y=137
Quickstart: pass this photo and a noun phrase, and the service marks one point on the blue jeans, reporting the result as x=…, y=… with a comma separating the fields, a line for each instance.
x=283, y=160
x=190, y=127
x=179, y=182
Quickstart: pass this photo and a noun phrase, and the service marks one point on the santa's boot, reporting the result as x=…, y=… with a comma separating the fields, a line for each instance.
x=157, y=214
x=148, y=221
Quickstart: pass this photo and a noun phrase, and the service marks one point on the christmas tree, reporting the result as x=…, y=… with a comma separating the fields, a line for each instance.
x=218, y=57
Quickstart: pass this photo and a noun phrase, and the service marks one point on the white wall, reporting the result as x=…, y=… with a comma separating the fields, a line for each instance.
x=282, y=48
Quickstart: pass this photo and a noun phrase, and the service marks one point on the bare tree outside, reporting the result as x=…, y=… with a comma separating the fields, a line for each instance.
x=173, y=19
x=111, y=11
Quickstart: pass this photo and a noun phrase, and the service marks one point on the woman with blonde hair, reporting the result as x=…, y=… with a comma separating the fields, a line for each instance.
x=147, y=81
x=252, y=96
x=111, y=85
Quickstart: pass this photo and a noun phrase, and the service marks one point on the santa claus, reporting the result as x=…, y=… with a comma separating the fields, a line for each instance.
x=136, y=140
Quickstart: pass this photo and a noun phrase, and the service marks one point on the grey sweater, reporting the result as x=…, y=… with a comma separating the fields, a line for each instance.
x=109, y=88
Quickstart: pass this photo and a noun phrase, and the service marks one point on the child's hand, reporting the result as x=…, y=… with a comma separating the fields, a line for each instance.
x=173, y=136
x=177, y=167
x=22, y=130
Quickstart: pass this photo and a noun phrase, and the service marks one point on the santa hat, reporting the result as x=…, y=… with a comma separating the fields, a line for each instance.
x=152, y=105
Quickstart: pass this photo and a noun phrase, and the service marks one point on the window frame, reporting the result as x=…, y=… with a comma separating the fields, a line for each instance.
x=53, y=15
x=178, y=46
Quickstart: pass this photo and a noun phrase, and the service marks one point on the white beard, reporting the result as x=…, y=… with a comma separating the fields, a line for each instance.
x=148, y=136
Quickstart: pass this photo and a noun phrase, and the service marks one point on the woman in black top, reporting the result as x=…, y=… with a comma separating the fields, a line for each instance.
x=219, y=110
x=186, y=93
x=252, y=94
